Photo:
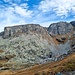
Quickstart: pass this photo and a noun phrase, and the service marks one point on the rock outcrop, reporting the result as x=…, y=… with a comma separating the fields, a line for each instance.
x=1, y=33
x=59, y=28
x=73, y=23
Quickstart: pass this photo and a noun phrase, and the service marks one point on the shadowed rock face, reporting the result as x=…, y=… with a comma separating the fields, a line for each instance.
x=32, y=43
x=73, y=23
x=59, y=28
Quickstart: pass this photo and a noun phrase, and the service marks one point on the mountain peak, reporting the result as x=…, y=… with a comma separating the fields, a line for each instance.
x=19, y=29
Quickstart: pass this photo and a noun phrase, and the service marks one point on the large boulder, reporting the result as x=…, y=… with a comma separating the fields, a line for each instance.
x=60, y=28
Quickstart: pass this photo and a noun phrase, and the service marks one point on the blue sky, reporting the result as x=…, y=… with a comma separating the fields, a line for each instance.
x=43, y=12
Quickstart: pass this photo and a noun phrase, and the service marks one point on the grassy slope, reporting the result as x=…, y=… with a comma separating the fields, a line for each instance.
x=67, y=64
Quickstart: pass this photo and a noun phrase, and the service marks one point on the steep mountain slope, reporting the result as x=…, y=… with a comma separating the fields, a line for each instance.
x=28, y=45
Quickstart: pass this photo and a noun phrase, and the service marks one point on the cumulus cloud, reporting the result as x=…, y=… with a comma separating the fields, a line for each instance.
x=14, y=14
x=59, y=7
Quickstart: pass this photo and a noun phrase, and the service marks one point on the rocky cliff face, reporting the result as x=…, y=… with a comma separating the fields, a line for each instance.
x=17, y=30
x=54, y=29
x=60, y=28
x=33, y=43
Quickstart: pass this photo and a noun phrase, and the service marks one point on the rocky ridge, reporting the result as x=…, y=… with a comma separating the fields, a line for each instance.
x=60, y=28
x=19, y=29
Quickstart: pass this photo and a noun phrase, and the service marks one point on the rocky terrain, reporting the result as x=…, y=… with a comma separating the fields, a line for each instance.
x=24, y=46
x=62, y=67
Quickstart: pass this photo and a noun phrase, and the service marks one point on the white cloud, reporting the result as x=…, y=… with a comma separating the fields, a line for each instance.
x=46, y=12
x=14, y=15
x=60, y=7
x=23, y=12
x=20, y=14
x=9, y=1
